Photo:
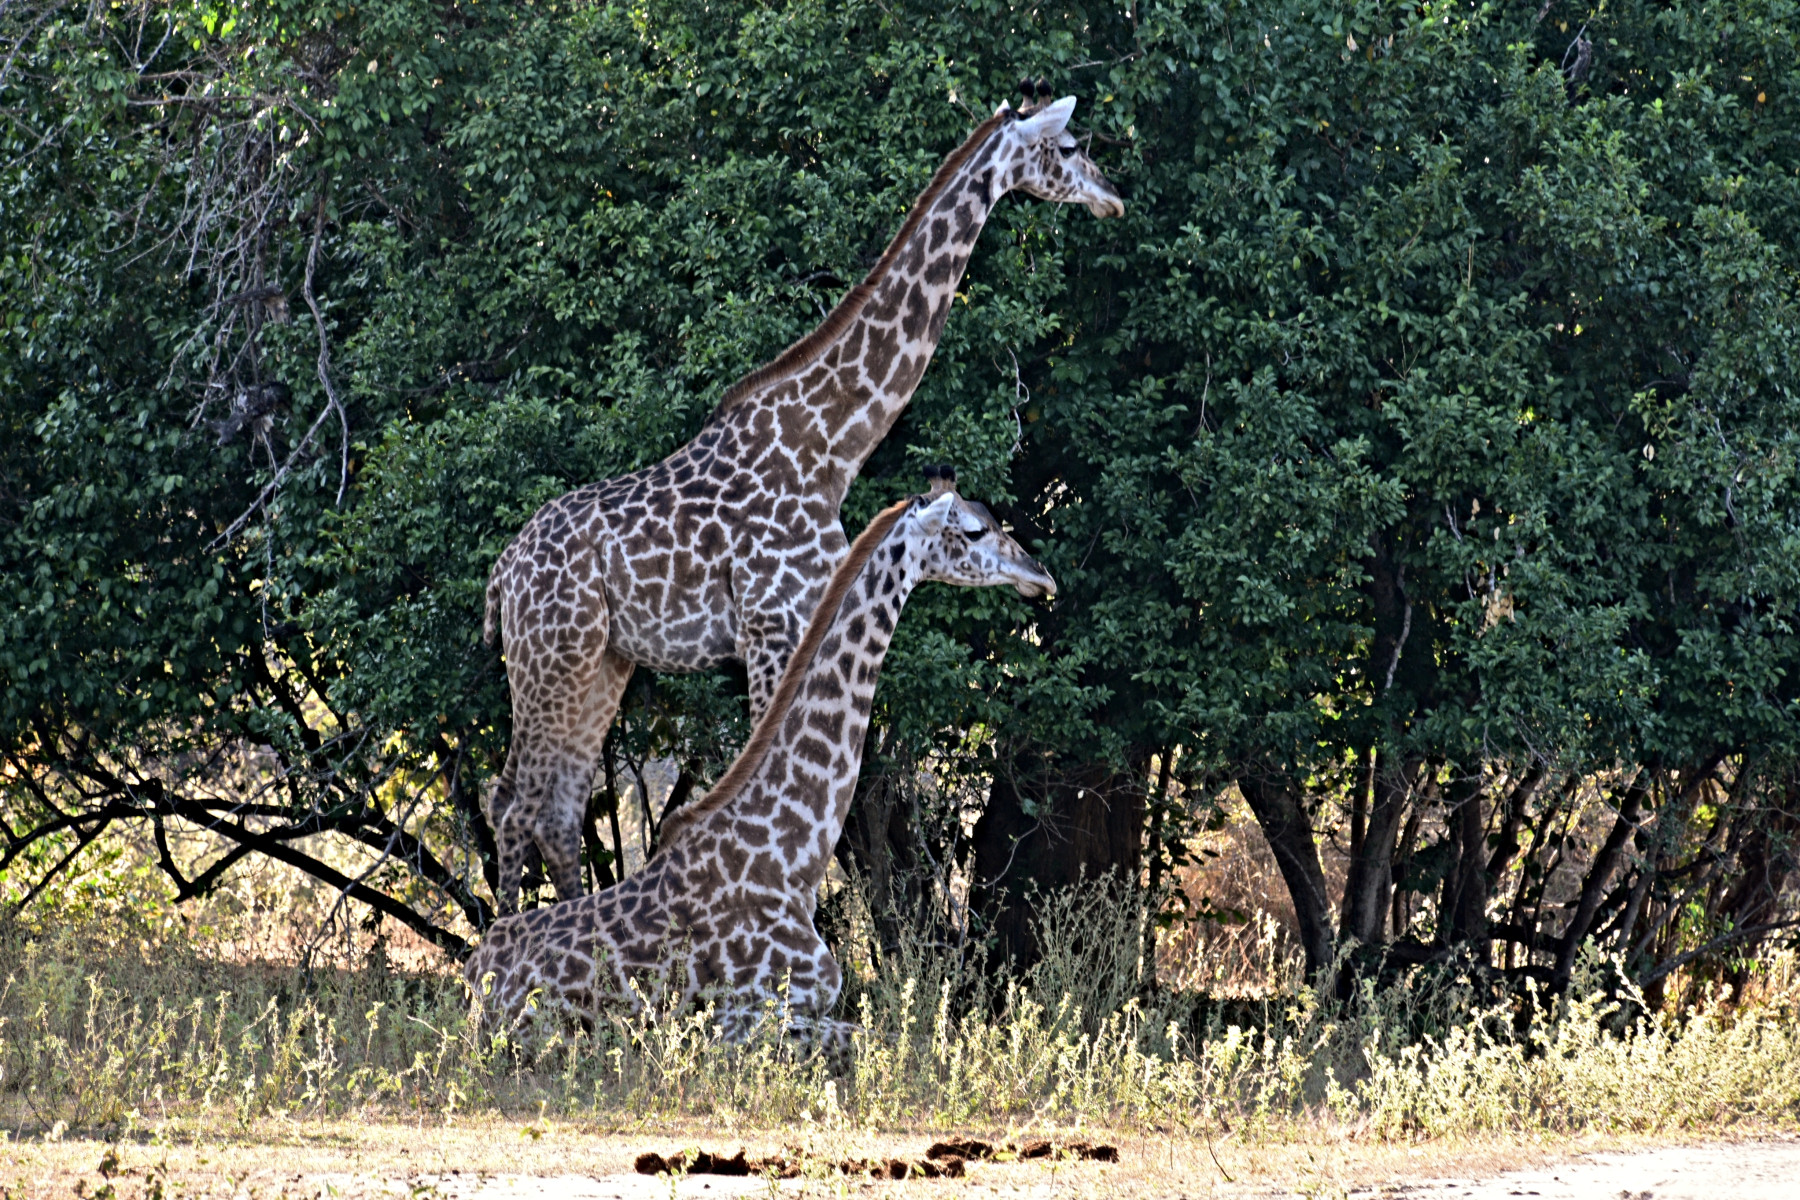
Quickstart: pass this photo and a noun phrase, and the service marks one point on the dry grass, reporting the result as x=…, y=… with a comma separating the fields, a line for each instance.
x=234, y=1049
x=104, y=1035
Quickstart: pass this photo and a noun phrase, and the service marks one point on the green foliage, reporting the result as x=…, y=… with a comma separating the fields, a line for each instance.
x=1434, y=399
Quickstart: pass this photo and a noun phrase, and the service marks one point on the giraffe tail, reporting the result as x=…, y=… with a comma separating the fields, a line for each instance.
x=490, y=619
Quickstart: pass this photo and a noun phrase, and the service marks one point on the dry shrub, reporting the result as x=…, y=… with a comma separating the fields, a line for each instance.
x=1238, y=936
x=101, y=1031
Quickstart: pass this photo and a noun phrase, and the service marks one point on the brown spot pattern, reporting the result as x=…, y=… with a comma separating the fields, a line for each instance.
x=729, y=898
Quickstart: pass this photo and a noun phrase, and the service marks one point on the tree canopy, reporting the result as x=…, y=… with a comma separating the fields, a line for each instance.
x=1416, y=456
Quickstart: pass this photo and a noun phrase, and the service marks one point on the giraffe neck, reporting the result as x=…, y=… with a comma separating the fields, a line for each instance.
x=837, y=392
x=885, y=352
x=809, y=774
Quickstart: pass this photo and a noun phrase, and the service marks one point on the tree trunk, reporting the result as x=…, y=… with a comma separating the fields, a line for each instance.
x=1045, y=831
x=1400, y=678
x=1464, y=910
x=1768, y=854
x=880, y=847
x=1593, y=888
x=1370, y=882
x=1361, y=790
x=1153, y=845
x=1274, y=799
x=1512, y=819
x=465, y=799
x=1400, y=905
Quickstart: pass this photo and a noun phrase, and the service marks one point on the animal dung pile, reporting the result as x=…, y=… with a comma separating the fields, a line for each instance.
x=703, y=1163
x=944, y=1160
x=775, y=1166
x=969, y=1150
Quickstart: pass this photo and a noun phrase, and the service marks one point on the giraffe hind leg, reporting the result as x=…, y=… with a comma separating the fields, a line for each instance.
x=557, y=832
x=544, y=821
x=513, y=835
x=517, y=856
x=564, y=681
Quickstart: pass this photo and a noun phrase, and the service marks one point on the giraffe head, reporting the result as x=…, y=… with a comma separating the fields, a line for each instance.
x=1047, y=161
x=958, y=541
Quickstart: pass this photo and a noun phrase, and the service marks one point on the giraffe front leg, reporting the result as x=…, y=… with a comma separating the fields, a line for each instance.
x=768, y=642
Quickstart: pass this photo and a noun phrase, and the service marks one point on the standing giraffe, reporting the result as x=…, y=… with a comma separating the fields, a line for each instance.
x=720, y=550
x=728, y=899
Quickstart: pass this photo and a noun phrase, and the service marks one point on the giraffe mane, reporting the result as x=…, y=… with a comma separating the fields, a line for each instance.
x=857, y=298
x=756, y=748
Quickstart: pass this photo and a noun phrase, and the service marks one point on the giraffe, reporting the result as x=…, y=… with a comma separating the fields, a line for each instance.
x=728, y=899
x=720, y=550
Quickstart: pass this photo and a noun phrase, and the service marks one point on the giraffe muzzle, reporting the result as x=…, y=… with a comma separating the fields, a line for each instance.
x=1107, y=204
x=1035, y=582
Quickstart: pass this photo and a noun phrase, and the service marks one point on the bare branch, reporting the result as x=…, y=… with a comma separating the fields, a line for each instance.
x=331, y=401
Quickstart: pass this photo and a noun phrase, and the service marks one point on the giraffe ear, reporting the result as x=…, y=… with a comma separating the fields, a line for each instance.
x=1047, y=121
x=935, y=514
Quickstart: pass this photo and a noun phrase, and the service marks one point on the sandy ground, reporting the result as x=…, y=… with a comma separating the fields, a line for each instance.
x=347, y=1160
x=1764, y=1170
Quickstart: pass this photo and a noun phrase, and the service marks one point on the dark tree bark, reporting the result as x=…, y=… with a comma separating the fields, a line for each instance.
x=277, y=833
x=1767, y=857
x=1274, y=800
x=600, y=860
x=1399, y=677
x=1370, y=882
x=1400, y=901
x=281, y=851
x=1512, y=820
x=1361, y=791
x=1464, y=909
x=466, y=800
x=1048, y=829
x=1593, y=888
x=880, y=846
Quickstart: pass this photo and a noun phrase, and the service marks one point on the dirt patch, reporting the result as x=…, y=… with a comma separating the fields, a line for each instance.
x=1763, y=1170
x=484, y=1159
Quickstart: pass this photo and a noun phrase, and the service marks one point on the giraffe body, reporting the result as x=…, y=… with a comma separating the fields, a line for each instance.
x=728, y=900
x=722, y=549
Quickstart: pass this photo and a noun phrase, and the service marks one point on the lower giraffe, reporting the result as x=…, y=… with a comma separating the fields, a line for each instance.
x=726, y=904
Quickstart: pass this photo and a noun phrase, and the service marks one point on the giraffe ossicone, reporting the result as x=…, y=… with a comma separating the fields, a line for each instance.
x=721, y=550
x=727, y=901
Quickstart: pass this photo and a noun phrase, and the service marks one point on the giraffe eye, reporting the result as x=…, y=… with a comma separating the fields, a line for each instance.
x=1065, y=151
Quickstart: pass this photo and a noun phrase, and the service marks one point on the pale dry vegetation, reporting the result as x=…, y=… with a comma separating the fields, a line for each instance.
x=104, y=1032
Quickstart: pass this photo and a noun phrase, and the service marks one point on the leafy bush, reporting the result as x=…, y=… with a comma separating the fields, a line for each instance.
x=1416, y=455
